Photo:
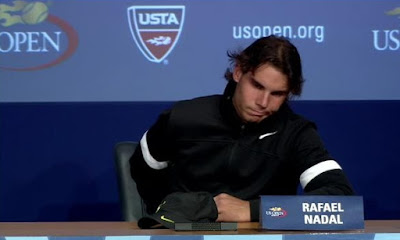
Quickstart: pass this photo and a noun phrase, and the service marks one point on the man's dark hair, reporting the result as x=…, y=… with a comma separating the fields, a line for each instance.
x=277, y=51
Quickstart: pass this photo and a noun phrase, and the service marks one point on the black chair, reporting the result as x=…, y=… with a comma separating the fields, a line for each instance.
x=131, y=203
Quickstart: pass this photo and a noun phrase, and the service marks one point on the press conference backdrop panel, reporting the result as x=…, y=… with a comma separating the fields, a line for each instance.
x=132, y=50
x=76, y=77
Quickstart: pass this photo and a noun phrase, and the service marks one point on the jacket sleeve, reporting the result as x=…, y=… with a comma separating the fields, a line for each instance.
x=319, y=173
x=149, y=164
x=255, y=210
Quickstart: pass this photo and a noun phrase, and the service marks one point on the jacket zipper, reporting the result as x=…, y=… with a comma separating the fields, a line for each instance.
x=235, y=145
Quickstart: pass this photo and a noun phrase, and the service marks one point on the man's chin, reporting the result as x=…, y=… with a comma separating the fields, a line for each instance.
x=255, y=119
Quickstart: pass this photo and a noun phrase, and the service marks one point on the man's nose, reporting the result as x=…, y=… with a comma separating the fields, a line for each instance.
x=263, y=99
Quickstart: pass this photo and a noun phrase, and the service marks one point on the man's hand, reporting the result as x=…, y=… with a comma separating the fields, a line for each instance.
x=232, y=209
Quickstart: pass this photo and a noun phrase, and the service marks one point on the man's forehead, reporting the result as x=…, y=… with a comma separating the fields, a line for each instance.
x=278, y=84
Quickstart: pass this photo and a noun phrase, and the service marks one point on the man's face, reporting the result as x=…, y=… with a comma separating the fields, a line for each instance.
x=259, y=94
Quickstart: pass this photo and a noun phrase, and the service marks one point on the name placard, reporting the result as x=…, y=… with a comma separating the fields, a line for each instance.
x=312, y=212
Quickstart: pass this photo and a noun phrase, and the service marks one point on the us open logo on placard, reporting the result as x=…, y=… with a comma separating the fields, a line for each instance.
x=276, y=212
x=156, y=29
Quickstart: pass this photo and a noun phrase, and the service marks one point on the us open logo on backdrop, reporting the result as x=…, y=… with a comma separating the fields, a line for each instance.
x=156, y=29
x=387, y=39
x=31, y=38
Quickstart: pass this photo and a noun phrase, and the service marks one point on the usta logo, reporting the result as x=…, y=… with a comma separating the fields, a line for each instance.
x=158, y=18
x=156, y=29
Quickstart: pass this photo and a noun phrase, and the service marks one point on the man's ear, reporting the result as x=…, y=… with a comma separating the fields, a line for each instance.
x=237, y=73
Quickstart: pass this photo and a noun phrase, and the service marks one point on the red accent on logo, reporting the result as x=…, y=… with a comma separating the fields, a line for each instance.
x=284, y=213
x=160, y=50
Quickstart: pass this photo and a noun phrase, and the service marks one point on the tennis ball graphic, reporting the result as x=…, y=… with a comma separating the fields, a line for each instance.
x=34, y=13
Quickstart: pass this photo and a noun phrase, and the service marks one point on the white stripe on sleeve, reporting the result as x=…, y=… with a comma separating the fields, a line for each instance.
x=147, y=156
x=316, y=170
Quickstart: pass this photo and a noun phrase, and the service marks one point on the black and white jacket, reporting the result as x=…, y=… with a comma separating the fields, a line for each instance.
x=202, y=145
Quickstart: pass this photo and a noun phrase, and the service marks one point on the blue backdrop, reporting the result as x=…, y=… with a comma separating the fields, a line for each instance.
x=141, y=50
x=56, y=159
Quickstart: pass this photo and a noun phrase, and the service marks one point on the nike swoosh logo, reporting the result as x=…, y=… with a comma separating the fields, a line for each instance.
x=166, y=219
x=267, y=135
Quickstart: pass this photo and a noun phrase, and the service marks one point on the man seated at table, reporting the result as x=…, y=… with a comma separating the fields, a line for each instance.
x=242, y=144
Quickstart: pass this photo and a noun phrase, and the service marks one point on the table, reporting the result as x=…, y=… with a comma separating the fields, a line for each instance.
x=374, y=229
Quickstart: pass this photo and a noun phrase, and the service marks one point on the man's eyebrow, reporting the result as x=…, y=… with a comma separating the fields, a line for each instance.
x=254, y=80
x=283, y=92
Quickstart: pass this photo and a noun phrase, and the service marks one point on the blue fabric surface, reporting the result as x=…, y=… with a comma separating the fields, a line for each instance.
x=56, y=159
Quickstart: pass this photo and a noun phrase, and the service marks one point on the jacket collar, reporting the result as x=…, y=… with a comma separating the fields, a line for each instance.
x=230, y=115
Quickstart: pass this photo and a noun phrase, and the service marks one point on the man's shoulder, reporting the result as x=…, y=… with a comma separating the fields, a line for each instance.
x=197, y=111
x=294, y=119
x=201, y=102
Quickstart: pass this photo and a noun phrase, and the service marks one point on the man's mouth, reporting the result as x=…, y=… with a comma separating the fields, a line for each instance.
x=259, y=114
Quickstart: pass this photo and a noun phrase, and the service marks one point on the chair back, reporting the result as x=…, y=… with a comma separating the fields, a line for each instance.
x=131, y=202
